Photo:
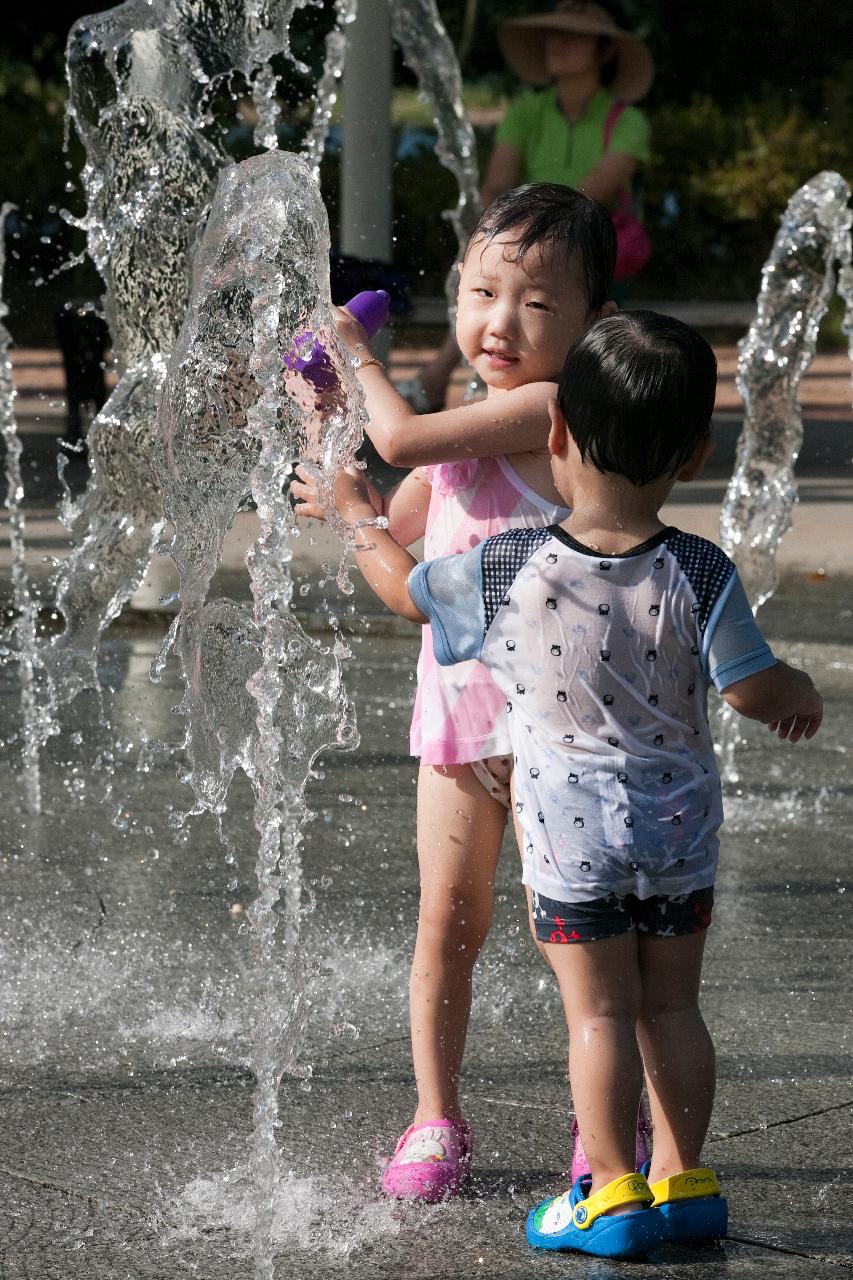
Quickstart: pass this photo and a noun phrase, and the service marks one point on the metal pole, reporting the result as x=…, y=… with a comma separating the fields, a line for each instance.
x=367, y=144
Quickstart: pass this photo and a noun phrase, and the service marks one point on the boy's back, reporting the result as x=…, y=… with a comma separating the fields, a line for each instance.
x=605, y=662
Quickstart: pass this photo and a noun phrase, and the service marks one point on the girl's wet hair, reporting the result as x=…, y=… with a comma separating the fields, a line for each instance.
x=548, y=216
x=637, y=391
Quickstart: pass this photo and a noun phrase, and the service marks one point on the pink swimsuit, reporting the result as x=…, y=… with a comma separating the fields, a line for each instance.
x=460, y=714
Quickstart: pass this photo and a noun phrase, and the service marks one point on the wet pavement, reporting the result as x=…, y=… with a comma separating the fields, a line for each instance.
x=126, y=1005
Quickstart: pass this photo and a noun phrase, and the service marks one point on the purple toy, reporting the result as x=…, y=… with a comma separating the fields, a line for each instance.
x=370, y=310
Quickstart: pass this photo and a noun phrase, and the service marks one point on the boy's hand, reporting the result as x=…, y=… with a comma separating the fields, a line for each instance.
x=804, y=724
x=351, y=333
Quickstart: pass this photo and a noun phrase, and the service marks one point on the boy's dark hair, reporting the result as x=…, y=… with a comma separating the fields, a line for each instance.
x=637, y=391
x=547, y=215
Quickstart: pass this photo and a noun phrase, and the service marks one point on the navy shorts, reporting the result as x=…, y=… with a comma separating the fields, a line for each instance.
x=657, y=917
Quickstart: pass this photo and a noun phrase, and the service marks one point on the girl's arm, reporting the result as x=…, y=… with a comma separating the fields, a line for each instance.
x=514, y=422
x=782, y=698
x=383, y=562
x=405, y=506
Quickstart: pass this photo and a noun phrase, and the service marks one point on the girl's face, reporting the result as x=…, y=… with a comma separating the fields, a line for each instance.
x=568, y=54
x=516, y=321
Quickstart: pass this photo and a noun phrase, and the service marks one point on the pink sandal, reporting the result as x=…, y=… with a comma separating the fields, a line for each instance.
x=430, y=1163
x=580, y=1164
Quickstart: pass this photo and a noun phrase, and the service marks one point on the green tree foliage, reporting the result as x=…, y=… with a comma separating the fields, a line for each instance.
x=718, y=182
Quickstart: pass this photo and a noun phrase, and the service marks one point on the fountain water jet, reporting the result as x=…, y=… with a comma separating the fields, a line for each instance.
x=327, y=86
x=37, y=723
x=796, y=285
x=140, y=79
x=232, y=425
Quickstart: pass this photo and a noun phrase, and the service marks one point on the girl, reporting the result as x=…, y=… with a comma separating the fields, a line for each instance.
x=536, y=274
x=577, y=126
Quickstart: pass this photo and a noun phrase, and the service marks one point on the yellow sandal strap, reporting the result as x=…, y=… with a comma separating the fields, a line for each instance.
x=689, y=1185
x=631, y=1188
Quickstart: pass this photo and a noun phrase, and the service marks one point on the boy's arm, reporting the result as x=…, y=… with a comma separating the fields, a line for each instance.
x=513, y=422
x=782, y=698
x=747, y=674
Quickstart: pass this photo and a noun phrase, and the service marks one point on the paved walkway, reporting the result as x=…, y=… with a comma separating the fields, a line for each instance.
x=825, y=390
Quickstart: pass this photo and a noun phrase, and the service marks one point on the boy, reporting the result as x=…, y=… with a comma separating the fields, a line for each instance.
x=604, y=632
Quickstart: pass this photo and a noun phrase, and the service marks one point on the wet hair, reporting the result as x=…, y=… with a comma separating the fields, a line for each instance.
x=637, y=391
x=546, y=215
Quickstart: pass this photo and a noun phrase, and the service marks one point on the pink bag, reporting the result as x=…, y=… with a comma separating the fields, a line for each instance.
x=633, y=246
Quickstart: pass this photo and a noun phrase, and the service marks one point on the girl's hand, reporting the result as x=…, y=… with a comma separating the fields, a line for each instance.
x=804, y=724
x=307, y=496
x=351, y=333
x=352, y=495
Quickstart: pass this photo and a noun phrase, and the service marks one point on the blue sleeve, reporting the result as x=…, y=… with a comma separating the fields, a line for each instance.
x=733, y=647
x=449, y=591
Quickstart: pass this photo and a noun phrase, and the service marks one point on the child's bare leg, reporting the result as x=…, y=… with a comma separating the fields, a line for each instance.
x=601, y=990
x=677, y=1051
x=460, y=831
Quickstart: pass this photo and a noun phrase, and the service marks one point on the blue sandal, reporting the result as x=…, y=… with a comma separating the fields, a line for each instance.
x=578, y=1220
x=691, y=1206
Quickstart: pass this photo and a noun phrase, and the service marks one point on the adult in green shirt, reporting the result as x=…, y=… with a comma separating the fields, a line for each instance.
x=580, y=128
x=558, y=133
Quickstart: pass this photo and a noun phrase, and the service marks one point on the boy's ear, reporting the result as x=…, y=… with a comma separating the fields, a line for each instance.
x=559, y=433
x=695, y=464
x=609, y=309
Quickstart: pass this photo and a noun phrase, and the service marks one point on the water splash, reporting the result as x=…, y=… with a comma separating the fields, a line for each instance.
x=796, y=285
x=260, y=694
x=37, y=720
x=141, y=77
x=428, y=49
x=319, y=1216
x=135, y=97
x=327, y=86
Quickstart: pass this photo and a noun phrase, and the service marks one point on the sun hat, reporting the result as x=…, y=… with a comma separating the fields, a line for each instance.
x=522, y=42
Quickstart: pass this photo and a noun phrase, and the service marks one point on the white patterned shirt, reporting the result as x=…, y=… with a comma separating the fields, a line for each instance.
x=605, y=663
